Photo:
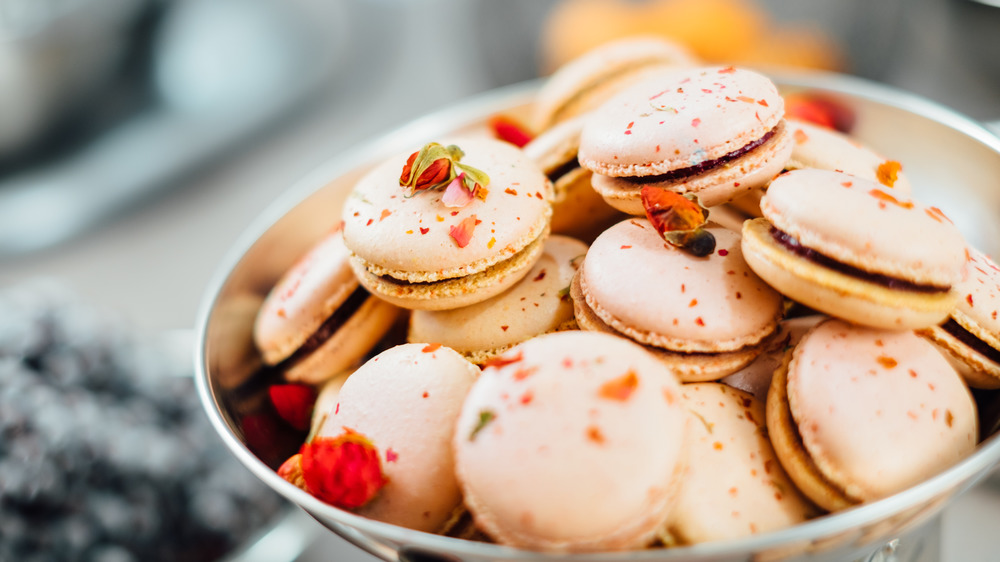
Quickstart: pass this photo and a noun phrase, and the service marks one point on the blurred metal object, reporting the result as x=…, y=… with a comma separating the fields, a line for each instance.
x=222, y=69
x=952, y=162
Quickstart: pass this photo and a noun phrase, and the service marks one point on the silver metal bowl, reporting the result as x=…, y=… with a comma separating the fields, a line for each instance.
x=953, y=163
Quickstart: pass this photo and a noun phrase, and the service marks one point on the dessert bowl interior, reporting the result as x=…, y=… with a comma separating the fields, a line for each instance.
x=952, y=162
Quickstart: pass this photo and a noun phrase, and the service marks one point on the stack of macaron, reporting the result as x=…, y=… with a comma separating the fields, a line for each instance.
x=676, y=381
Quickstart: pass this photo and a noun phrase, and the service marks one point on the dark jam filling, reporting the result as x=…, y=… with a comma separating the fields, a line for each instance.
x=327, y=328
x=563, y=169
x=682, y=173
x=970, y=339
x=793, y=245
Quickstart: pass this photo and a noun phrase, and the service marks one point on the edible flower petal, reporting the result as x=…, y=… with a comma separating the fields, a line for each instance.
x=507, y=129
x=462, y=232
x=457, y=194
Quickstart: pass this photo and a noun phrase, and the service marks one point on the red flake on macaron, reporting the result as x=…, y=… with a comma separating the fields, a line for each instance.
x=693, y=303
x=526, y=398
x=937, y=214
x=431, y=348
x=504, y=328
x=510, y=191
x=847, y=184
x=746, y=99
x=424, y=230
x=385, y=213
x=886, y=361
x=390, y=455
x=625, y=247
x=462, y=232
x=800, y=136
x=968, y=299
x=763, y=102
x=723, y=252
x=538, y=194
x=594, y=434
x=949, y=417
x=501, y=360
x=888, y=172
x=344, y=471
x=370, y=221
x=728, y=70
x=699, y=321
x=695, y=122
x=294, y=403
x=524, y=372
x=620, y=388
x=884, y=197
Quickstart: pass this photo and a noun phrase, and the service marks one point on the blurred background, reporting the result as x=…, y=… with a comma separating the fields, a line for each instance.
x=139, y=138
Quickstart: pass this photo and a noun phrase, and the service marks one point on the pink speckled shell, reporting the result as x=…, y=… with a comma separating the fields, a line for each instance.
x=406, y=401
x=848, y=219
x=678, y=119
x=878, y=411
x=734, y=485
x=304, y=297
x=560, y=465
x=395, y=241
x=826, y=149
x=718, y=303
x=980, y=298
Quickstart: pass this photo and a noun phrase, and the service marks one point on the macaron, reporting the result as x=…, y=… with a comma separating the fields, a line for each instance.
x=326, y=401
x=406, y=401
x=715, y=132
x=733, y=485
x=845, y=246
x=823, y=148
x=590, y=79
x=536, y=305
x=577, y=210
x=572, y=441
x=857, y=414
x=317, y=320
x=418, y=250
x=705, y=317
x=970, y=337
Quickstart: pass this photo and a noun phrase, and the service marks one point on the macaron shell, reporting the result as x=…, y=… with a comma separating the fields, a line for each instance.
x=535, y=305
x=304, y=297
x=755, y=378
x=348, y=345
x=572, y=411
x=978, y=309
x=663, y=296
x=456, y=292
x=713, y=187
x=409, y=238
x=827, y=149
x=589, y=80
x=857, y=222
x=406, y=401
x=678, y=119
x=836, y=293
x=894, y=389
x=688, y=367
x=977, y=370
x=327, y=400
x=733, y=486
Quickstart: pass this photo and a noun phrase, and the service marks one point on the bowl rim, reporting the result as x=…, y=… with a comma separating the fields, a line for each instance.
x=955, y=479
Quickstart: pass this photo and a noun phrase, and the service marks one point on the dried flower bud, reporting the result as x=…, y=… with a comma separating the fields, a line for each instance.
x=435, y=167
x=344, y=471
x=679, y=219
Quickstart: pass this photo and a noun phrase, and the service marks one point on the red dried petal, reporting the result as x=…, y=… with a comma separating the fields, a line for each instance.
x=462, y=232
x=431, y=347
x=404, y=178
x=344, y=471
x=885, y=197
x=294, y=403
x=502, y=360
x=669, y=211
x=888, y=172
x=457, y=195
x=507, y=129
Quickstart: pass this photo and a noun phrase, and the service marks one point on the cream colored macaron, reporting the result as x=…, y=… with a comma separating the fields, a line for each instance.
x=577, y=210
x=970, y=337
x=705, y=317
x=317, y=321
x=416, y=251
x=587, y=81
x=845, y=246
x=571, y=442
x=536, y=305
x=733, y=485
x=406, y=401
x=857, y=414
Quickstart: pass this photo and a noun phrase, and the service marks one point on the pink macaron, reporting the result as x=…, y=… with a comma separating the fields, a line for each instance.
x=406, y=401
x=857, y=414
x=846, y=246
x=713, y=132
x=571, y=442
x=706, y=317
x=970, y=337
x=317, y=320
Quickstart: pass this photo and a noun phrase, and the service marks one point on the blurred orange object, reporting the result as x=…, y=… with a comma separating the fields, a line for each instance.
x=717, y=31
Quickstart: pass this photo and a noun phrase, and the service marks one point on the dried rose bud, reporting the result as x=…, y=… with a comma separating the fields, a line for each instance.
x=344, y=471
x=679, y=219
x=435, y=167
x=291, y=470
x=294, y=403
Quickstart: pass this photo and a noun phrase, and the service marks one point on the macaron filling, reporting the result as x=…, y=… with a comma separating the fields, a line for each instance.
x=563, y=169
x=792, y=244
x=702, y=167
x=327, y=329
x=957, y=331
